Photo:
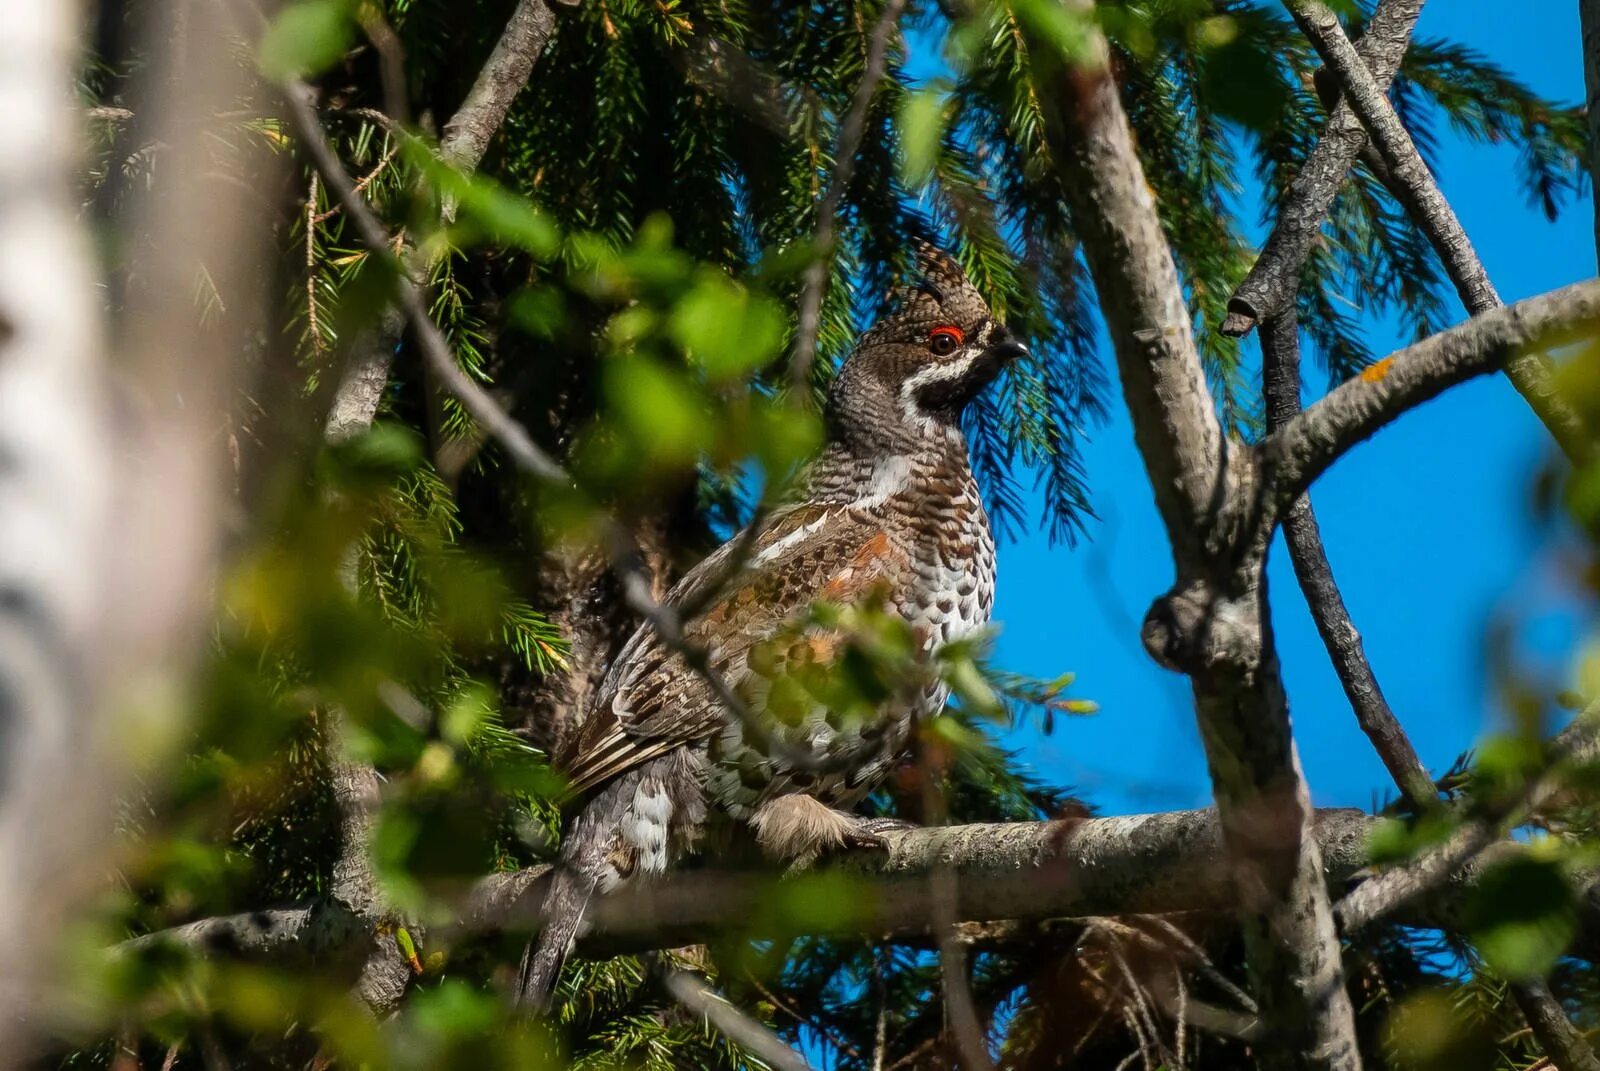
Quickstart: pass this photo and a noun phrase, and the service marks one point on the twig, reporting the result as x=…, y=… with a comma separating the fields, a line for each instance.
x=1416, y=189
x=1396, y=888
x=848, y=143
x=1273, y=279
x=365, y=180
x=311, y=264
x=1280, y=350
x=833, y=1037
x=690, y=990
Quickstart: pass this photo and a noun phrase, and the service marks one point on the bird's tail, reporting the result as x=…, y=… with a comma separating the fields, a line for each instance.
x=564, y=905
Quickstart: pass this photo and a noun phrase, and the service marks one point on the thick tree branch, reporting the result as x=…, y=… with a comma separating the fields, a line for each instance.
x=1304, y=447
x=1114, y=214
x=1411, y=182
x=55, y=484
x=468, y=132
x=1215, y=624
x=1562, y=1042
x=1167, y=863
x=1275, y=276
x=1280, y=351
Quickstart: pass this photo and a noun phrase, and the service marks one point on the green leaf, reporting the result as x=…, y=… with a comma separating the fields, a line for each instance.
x=921, y=130
x=305, y=39
x=1396, y=839
x=659, y=409
x=1521, y=917
x=725, y=329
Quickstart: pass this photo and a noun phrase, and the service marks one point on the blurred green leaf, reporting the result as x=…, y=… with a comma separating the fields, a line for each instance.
x=922, y=124
x=725, y=329
x=305, y=39
x=1241, y=81
x=1521, y=915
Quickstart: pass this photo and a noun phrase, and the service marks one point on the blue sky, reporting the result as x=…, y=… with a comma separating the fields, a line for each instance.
x=1429, y=528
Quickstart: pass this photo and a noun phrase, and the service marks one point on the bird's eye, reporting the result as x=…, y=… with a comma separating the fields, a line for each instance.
x=944, y=341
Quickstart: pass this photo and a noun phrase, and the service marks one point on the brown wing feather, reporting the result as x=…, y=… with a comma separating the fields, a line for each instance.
x=651, y=701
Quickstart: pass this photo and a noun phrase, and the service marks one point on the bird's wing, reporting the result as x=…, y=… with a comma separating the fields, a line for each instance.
x=652, y=701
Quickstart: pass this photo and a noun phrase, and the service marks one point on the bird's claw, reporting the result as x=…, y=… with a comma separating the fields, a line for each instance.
x=869, y=832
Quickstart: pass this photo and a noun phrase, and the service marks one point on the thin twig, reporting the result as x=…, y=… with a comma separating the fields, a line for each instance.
x=1280, y=353
x=848, y=143
x=311, y=264
x=690, y=990
x=365, y=180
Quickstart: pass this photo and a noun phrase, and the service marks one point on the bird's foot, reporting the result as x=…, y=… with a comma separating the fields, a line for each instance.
x=798, y=829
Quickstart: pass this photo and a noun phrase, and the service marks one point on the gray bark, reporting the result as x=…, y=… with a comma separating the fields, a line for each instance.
x=1023, y=871
x=1412, y=183
x=109, y=487
x=1562, y=1042
x=1304, y=447
x=1275, y=276
x=1214, y=625
x=55, y=487
x=698, y=997
x=1280, y=349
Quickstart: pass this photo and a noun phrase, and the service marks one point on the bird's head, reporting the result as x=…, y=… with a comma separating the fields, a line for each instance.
x=918, y=368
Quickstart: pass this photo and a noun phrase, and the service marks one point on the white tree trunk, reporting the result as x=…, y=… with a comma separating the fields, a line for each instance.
x=55, y=483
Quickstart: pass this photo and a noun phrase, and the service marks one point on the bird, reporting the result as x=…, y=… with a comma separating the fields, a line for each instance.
x=888, y=515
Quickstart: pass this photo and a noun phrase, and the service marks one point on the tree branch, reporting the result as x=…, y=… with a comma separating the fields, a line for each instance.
x=1280, y=350
x=695, y=994
x=1397, y=887
x=1215, y=624
x=1304, y=447
x=1275, y=276
x=1589, y=19
x=466, y=138
x=848, y=143
x=1411, y=182
x=468, y=132
x=1166, y=863
x=1562, y=1042
x=1114, y=214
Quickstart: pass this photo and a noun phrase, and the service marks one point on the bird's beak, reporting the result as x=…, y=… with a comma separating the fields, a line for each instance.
x=1008, y=351
x=1003, y=347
